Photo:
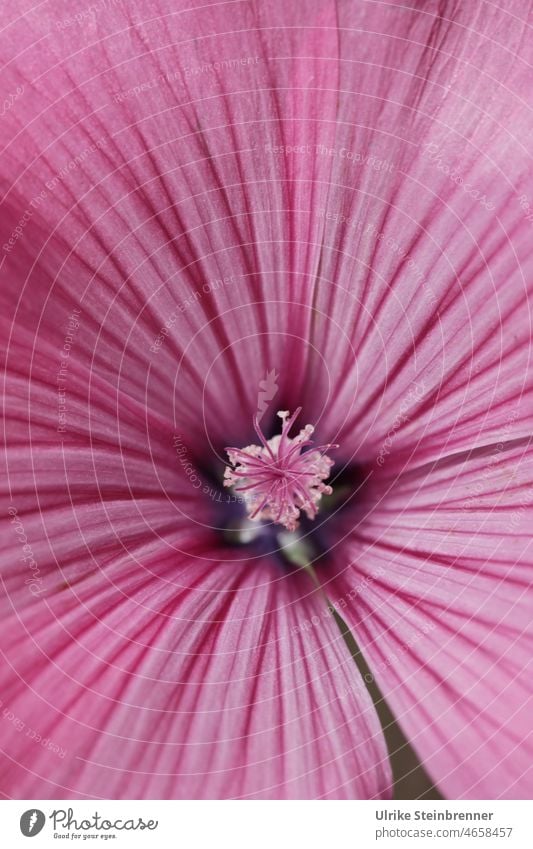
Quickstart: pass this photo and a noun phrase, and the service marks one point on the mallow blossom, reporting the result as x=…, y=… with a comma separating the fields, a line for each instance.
x=197, y=196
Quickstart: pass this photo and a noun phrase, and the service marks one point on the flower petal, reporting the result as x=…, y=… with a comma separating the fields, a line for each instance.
x=439, y=595
x=168, y=208
x=89, y=475
x=427, y=267
x=230, y=680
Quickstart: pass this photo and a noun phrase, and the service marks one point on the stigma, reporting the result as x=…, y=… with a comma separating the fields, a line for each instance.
x=282, y=477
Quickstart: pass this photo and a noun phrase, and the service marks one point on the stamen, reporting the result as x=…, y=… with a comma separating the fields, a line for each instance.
x=278, y=479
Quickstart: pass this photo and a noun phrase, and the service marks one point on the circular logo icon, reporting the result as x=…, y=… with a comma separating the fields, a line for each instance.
x=32, y=822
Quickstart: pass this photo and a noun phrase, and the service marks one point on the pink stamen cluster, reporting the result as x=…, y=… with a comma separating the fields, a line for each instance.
x=278, y=480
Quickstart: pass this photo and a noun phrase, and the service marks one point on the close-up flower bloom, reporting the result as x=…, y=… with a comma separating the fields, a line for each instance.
x=265, y=281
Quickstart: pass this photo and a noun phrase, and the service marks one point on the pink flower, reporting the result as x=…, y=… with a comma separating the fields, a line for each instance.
x=212, y=213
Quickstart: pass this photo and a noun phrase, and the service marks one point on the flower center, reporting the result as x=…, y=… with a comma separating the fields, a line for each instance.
x=281, y=477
